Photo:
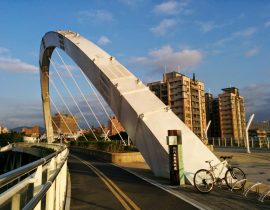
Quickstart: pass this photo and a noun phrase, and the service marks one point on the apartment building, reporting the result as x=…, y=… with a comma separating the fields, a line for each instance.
x=212, y=114
x=185, y=96
x=232, y=114
x=34, y=131
x=64, y=123
x=114, y=126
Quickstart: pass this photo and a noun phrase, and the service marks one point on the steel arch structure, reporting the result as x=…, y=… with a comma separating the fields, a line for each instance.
x=145, y=118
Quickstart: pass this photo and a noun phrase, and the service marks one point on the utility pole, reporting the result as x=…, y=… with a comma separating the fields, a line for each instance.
x=247, y=138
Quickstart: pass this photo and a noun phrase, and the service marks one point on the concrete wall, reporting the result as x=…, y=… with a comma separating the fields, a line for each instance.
x=126, y=157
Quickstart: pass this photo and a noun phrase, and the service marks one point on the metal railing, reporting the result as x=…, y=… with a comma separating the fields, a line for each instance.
x=38, y=185
x=255, y=143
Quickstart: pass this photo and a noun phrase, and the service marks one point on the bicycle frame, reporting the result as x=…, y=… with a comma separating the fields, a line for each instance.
x=214, y=168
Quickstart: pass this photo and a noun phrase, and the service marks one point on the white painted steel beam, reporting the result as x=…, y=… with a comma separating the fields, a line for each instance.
x=145, y=118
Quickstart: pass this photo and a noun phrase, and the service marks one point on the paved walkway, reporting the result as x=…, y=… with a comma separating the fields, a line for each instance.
x=99, y=185
x=255, y=165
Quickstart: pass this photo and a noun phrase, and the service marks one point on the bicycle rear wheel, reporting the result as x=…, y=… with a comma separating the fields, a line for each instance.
x=235, y=178
x=203, y=181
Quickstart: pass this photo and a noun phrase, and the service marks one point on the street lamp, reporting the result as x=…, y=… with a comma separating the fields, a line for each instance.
x=206, y=130
x=248, y=125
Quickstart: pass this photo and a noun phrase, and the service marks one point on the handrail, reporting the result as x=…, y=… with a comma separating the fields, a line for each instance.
x=14, y=174
x=38, y=197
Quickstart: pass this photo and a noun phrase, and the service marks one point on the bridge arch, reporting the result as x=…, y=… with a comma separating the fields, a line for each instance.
x=145, y=118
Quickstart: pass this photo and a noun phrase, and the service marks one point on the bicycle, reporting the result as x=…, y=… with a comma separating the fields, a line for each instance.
x=204, y=180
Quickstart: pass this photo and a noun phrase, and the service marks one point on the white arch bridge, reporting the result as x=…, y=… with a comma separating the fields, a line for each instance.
x=145, y=118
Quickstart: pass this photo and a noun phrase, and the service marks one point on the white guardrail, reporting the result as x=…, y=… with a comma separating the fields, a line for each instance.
x=41, y=184
x=255, y=143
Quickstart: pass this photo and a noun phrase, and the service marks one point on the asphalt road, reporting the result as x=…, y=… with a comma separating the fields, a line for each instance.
x=100, y=185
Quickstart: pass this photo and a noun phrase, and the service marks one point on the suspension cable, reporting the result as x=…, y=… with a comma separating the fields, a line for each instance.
x=95, y=92
x=63, y=101
x=63, y=82
x=78, y=87
x=57, y=110
x=56, y=126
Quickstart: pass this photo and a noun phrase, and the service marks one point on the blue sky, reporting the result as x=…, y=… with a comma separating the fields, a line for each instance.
x=224, y=42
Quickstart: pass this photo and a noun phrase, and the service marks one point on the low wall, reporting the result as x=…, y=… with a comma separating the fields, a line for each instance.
x=124, y=157
x=211, y=147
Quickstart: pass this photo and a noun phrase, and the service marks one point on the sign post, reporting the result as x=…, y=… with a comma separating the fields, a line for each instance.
x=174, y=141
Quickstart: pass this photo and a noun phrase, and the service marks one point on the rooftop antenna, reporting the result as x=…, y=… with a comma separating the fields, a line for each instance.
x=194, y=78
x=165, y=69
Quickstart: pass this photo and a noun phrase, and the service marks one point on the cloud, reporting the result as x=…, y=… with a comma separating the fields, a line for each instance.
x=16, y=65
x=3, y=50
x=257, y=100
x=170, y=7
x=103, y=40
x=166, y=56
x=246, y=32
x=63, y=69
x=131, y=2
x=94, y=15
x=163, y=26
x=209, y=26
x=267, y=24
x=95, y=105
x=239, y=34
x=252, y=52
x=24, y=113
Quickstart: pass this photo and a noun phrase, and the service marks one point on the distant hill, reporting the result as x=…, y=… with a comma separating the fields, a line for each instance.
x=19, y=129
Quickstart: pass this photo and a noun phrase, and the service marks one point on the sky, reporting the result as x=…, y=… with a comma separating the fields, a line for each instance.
x=225, y=43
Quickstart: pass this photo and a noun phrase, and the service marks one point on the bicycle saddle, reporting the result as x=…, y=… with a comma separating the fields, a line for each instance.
x=226, y=157
x=208, y=161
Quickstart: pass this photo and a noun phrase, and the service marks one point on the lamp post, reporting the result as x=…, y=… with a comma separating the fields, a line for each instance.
x=206, y=130
x=247, y=138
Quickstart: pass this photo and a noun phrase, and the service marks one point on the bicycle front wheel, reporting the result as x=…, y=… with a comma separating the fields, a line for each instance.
x=203, y=181
x=235, y=178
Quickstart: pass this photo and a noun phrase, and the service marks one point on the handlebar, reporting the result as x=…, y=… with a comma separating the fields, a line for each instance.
x=226, y=157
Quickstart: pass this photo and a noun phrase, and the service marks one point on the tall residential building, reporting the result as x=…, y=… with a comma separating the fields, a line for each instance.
x=64, y=123
x=185, y=96
x=232, y=114
x=212, y=113
x=114, y=126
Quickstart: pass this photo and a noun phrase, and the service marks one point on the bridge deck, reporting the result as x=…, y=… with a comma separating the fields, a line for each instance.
x=120, y=190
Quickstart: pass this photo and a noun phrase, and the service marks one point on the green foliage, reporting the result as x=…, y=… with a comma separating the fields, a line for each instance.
x=89, y=137
x=12, y=137
x=107, y=146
